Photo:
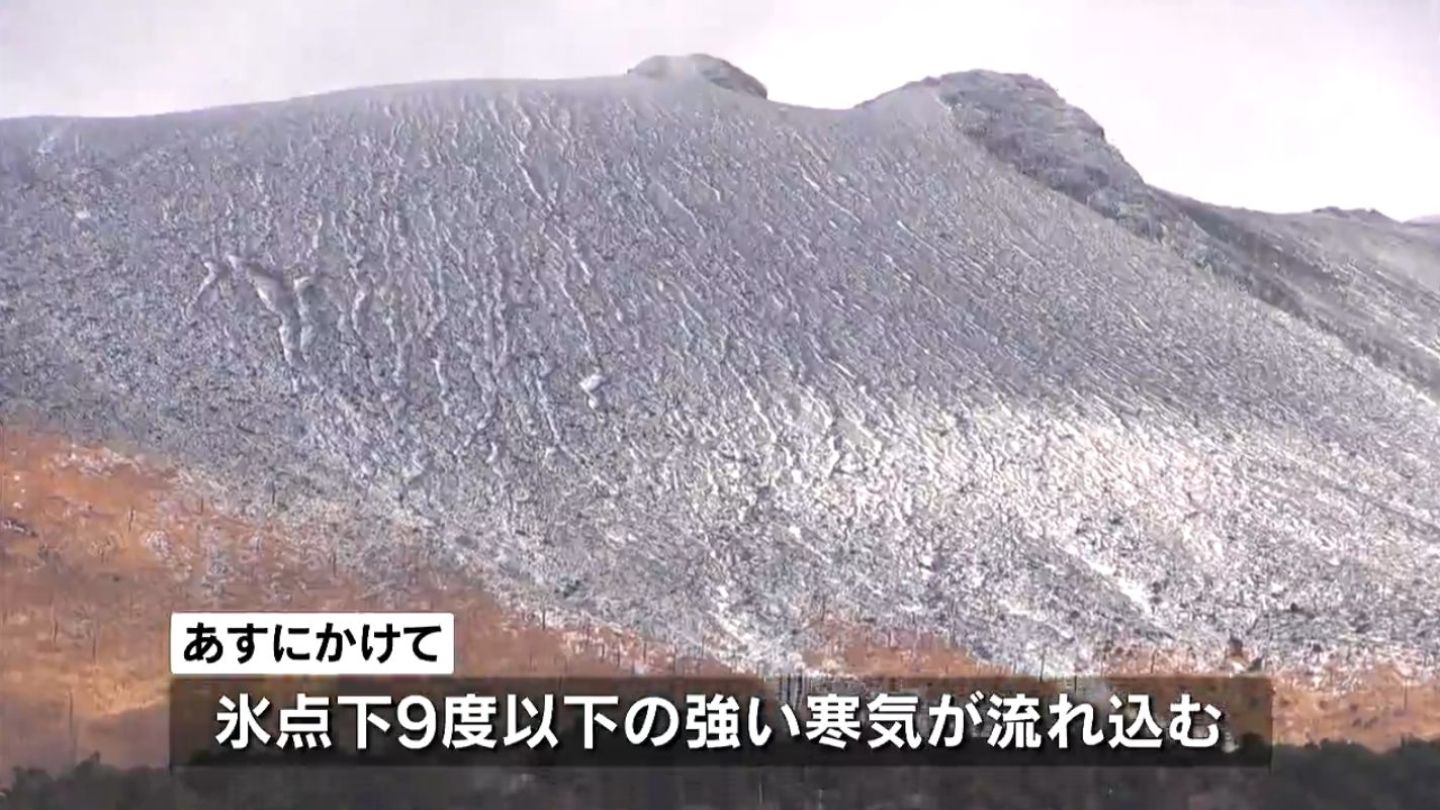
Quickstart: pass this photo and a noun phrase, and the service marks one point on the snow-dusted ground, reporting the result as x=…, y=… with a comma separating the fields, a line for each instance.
x=694, y=362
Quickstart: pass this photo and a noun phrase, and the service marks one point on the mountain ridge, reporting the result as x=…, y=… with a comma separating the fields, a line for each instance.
x=1026, y=124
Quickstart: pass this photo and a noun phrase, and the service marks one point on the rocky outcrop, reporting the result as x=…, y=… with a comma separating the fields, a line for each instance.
x=1022, y=121
x=703, y=67
x=1360, y=214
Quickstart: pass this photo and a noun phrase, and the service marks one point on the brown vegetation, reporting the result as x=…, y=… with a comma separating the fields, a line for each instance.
x=86, y=602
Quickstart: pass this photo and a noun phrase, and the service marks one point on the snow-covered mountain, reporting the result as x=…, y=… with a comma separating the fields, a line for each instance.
x=691, y=361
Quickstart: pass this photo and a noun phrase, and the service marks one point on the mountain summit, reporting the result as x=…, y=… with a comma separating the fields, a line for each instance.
x=703, y=67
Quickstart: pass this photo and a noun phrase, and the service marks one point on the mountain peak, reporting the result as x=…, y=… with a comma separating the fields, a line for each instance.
x=1024, y=122
x=1363, y=214
x=712, y=69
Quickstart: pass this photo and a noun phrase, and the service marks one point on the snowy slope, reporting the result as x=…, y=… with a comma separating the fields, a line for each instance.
x=692, y=361
x=1370, y=281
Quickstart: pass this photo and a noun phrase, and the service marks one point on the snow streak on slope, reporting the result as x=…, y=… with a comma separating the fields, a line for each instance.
x=692, y=361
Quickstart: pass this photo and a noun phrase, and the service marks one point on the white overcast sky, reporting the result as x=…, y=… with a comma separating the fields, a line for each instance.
x=1271, y=104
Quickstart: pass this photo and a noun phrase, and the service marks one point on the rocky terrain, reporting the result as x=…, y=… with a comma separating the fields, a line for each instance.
x=656, y=352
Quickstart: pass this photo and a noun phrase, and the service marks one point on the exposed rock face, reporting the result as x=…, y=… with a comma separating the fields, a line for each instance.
x=1024, y=122
x=700, y=66
x=1361, y=214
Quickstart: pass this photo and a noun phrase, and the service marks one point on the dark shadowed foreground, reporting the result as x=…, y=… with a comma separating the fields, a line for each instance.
x=1328, y=777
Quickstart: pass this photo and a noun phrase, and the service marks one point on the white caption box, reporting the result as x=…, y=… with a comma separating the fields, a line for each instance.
x=331, y=643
